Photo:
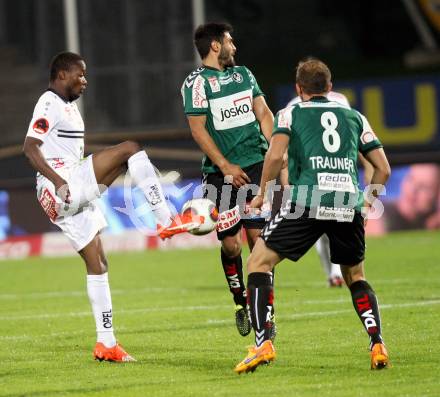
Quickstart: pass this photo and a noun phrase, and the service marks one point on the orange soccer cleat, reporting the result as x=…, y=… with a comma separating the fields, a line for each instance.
x=335, y=281
x=182, y=223
x=256, y=356
x=116, y=353
x=379, y=356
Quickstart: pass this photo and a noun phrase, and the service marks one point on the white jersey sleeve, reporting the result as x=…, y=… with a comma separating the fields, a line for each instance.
x=294, y=101
x=44, y=119
x=338, y=97
x=331, y=96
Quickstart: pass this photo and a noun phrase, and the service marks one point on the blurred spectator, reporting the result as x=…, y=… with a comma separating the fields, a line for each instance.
x=417, y=206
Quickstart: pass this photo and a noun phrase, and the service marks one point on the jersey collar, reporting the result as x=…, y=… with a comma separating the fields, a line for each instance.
x=318, y=99
x=57, y=93
x=215, y=69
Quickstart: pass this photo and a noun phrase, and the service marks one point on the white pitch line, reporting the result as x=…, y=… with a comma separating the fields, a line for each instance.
x=117, y=313
x=53, y=334
x=82, y=293
x=192, y=308
x=209, y=308
x=333, y=312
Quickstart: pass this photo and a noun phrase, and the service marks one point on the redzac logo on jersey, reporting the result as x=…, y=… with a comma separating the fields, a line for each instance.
x=41, y=126
x=49, y=204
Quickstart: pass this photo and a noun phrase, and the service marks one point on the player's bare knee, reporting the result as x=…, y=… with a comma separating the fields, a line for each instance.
x=255, y=265
x=351, y=274
x=130, y=148
x=104, y=265
x=97, y=267
x=231, y=248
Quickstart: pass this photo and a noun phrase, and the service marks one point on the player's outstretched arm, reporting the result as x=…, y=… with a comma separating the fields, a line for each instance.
x=264, y=116
x=31, y=149
x=208, y=146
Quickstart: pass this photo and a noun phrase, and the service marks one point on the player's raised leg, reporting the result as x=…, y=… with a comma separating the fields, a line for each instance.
x=98, y=290
x=110, y=162
x=367, y=307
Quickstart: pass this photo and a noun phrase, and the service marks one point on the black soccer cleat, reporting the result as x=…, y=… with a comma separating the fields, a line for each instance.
x=273, y=328
x=242, y=321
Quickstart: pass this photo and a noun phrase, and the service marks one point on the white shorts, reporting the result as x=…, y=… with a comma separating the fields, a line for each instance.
x=81, y=220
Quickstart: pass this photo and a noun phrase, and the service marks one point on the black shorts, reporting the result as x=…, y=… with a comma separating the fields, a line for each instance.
x=292, y=238
x=231, y=201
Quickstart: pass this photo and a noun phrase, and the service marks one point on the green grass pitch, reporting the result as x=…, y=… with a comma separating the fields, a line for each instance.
x=173, y=312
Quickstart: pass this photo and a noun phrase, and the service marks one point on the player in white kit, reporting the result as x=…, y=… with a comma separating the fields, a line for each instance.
x=68, y=185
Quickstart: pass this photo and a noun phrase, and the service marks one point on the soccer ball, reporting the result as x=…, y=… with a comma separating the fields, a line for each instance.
x=202, y=207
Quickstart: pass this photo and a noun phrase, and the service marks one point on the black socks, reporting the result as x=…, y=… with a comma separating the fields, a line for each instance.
x=260, y=301
x=233, y=268
x=367, y=308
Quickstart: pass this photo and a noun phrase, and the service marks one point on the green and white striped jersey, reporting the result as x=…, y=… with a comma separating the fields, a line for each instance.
x=325, y=138
x=226, y=98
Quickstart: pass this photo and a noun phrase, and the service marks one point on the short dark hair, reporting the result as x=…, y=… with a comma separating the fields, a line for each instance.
x=205, y=34
x=63, y=61
x=313, y=76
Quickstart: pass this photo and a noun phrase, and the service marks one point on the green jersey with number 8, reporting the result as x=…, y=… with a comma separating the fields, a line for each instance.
x=325, y=138
x=226, y=99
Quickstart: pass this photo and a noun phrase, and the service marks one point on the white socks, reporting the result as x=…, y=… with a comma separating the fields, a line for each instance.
x=323, y=248
x=99, y=295
x=143, y=173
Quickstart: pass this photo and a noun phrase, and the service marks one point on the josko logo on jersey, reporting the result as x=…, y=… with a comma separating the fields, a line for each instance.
x=232, y=110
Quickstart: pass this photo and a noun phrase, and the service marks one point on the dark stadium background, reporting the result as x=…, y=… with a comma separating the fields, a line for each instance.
x=138, y=53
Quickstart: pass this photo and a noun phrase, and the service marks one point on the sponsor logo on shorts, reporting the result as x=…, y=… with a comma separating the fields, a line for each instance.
x=49, y=204
x=228, y=219
x=335, y=214
x=335, y=182
x=41, y=126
